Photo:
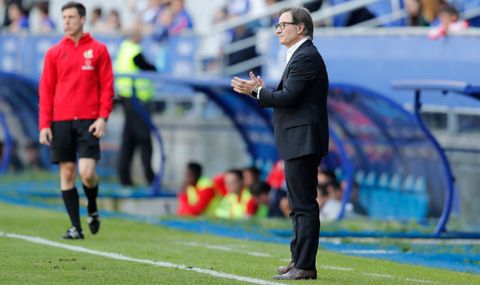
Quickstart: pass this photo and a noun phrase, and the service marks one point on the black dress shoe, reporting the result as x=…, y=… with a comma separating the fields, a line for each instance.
x=284, y=269
x=297, y=274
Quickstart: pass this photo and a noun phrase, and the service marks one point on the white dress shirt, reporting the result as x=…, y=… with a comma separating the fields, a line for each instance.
x=293, y=48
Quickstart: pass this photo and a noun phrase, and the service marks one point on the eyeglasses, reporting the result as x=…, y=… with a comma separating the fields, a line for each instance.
x=282, y=25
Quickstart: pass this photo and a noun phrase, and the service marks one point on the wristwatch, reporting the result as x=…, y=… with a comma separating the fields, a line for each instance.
x=255, y=91
x=105, y=119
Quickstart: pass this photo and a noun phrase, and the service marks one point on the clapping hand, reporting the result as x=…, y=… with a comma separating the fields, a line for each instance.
x=244, y=86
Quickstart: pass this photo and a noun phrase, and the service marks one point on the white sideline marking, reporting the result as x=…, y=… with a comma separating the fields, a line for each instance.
x=117, y=256
x=336, y=268
x=420, y=281
x=225, y=248
x=368, y=251
x=379, y=275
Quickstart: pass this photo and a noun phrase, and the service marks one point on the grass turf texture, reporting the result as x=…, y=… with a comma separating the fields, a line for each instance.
x=24, y=262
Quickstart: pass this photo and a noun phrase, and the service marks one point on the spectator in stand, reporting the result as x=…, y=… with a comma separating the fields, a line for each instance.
x=146, y=18
x=251, y=176
x=96, y=23
x=423, y=12
x=33, y=161
x=260, y=191
x=111, y=25
x=114, y=24
x=18, y=21
x=328, y=183
x=413, y=8
x=278, y=202
x=449, y=22
x=239, y=202
x=430, y=10
x=173, y=20
x=41, y=23
x=197, y=196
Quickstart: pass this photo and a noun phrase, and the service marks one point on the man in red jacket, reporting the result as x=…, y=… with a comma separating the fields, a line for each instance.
x=76, y=98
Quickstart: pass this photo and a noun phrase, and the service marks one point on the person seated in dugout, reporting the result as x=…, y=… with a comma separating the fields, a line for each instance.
x=260, y=191
x=197, y=196
x=238, y=203
x=251, y=176
x=330, y=199
x=278, y=205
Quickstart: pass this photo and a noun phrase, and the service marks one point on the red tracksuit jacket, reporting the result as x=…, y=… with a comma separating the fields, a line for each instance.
x=76, y=82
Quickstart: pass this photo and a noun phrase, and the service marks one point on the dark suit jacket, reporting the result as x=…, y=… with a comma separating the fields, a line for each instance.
x=300, y=105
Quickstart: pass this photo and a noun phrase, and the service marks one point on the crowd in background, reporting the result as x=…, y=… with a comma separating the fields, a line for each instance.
x=163, y=18
x=242, y=194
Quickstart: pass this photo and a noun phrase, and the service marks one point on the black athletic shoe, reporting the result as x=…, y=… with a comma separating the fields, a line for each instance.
x=73, y=233
x=93, y=221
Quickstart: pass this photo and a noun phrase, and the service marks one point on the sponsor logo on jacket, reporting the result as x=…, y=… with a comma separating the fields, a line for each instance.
x=88, y=55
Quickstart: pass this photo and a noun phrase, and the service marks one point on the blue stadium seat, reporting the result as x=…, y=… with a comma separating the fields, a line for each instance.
x=383, y=181
x=359, y=177
x=395, y=182
x=420, y=185
x=408, y=183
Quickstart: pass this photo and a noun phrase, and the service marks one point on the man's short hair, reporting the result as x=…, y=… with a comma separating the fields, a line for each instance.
x=301, y=15
x=79, y=6
x=260, y=188
x=237, y=172
x=195, y=168
x=253, y=170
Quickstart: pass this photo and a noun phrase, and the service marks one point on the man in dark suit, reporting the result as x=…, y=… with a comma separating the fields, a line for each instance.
x=301, y=132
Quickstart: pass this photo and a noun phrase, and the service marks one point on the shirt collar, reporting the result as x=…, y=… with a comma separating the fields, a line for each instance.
x=293, y=48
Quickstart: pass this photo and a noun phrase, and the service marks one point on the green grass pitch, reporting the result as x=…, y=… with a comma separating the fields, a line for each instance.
x=206, y=259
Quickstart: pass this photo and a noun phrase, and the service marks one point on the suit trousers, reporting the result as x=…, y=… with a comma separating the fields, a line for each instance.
x=301, y=178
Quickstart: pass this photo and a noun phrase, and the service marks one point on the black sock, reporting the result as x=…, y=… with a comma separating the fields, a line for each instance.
x=91, y=194
x=70, y=198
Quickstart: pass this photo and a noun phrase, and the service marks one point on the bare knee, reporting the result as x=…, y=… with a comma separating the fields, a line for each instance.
x=87, y=172
x=67, y=175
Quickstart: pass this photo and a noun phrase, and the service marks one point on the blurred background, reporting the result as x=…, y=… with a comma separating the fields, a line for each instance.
x=380, y=55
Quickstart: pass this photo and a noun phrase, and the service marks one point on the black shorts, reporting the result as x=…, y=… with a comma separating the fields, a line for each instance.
x=71, y=138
